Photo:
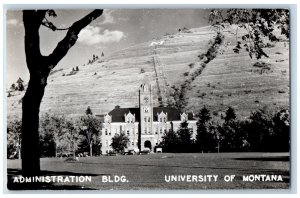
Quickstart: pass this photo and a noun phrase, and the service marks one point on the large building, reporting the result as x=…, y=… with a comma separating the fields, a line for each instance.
x=145, y=122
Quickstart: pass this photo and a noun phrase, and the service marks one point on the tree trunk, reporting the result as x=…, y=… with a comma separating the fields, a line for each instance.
x=30, y=119
x=55, y=149
x=19, y=147
x=91, y=149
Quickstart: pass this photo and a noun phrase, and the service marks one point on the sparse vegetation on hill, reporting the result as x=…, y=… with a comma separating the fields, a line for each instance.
x=94, y=59
x=179, y=94
x=229, y=75
x=13, y=88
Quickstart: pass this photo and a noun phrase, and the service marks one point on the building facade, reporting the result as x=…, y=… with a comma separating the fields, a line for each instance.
x=146, y=122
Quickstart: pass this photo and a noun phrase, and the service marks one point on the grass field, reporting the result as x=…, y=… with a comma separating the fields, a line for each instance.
x=148, y=172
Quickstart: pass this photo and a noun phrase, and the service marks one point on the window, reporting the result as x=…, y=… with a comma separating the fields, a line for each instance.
x=105, y=131
x=145, y=119
x=164, y=119
x=128, y=132
x=132, y=143
x=148, y=119
x=160, y=131
x=160, y=119
x=146, y=109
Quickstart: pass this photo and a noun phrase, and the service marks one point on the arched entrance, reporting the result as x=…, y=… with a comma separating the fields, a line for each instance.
x=147, y=144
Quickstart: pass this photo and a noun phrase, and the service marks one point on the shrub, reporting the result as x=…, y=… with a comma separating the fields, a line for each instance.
x=191, y=65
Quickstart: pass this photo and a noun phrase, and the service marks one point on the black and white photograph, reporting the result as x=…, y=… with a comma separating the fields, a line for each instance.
x=148, y=99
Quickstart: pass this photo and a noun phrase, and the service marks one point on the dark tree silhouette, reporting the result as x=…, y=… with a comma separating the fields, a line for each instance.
x=185, y=137
x=204, y=138
x=39, y=67
x=88, y=111
x=170, y=141
x=120, y=142
x=20, y=86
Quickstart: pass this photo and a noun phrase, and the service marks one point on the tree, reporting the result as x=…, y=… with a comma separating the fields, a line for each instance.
x=51, y=130
x=88, y=111
x=259, y=128
x=13, y=87
x=39, y=67
x=14, y=131
x=119, y=142
x=258, y=23
x=71, y=137
x=185, y=137
x=230, y=114
x=204, y=139
x=90, y=128
x=170, y=141
x=280, y=137
x=231, y=139
x=20, y=86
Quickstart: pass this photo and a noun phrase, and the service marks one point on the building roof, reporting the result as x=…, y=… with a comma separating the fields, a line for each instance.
x=173, y=113
x=118, y=114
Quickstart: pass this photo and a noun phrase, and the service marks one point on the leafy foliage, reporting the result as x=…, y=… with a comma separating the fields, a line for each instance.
x=14, y=130
x=120, y=142
x=258, y=23
x=90, y=128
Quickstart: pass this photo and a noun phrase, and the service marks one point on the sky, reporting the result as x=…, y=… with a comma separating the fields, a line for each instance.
x=114, y=30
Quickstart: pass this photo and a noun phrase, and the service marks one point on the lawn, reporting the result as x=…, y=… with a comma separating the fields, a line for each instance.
x=148, y=172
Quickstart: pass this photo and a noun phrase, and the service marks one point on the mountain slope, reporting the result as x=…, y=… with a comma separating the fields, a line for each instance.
x=169, y=63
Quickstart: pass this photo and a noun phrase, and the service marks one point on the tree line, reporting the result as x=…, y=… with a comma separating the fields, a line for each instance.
x=260, y=132
x=59, y=135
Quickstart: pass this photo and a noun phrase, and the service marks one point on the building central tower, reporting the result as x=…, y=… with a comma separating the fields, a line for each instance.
x=146, y=111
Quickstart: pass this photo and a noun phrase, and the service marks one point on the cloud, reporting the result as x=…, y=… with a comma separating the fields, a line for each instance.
x=12, y=22
x=108, y=18
x=92, y=35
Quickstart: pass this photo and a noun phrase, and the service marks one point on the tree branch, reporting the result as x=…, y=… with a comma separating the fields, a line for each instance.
x=71, y=37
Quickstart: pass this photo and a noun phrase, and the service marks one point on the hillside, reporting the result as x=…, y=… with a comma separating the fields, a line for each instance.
x=172, y=63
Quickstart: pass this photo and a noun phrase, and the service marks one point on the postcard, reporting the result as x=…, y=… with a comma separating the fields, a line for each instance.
x=148, y=99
